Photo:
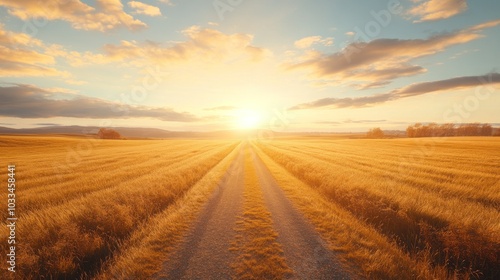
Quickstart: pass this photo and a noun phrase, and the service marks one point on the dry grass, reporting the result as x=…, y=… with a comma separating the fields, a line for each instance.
x=260, y=256
x=148, y=248
x=434, y=201
x=393, y=209
x=71, y=224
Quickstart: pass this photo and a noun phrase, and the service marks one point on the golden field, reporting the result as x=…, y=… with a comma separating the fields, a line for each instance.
x=71, y=223
x=392, y=208
x=422, y=208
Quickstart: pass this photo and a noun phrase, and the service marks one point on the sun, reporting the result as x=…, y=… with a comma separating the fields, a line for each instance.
x=248, y=119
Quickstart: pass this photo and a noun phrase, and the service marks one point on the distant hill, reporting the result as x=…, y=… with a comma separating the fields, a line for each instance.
x=138, y=132
x=127, y=132
x=131, y=132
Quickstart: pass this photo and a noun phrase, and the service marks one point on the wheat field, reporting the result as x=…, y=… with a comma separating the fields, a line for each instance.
x=72, y=222
x=391, y=209
x=427, y=208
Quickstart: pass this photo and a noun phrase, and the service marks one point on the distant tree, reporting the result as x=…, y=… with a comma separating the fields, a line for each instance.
x=497, y=132
x=418, y=130
x=410, y=131
x=105, y=133
x=375, y=133
x=468, y=129
x=434, y=130
x=486, y=130
x=449, y=129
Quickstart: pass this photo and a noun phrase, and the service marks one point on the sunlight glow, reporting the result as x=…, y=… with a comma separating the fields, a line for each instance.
x=248, y=119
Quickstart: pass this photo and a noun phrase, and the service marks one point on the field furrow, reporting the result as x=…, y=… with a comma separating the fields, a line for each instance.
x=456, y=220
x=141, y=167
x=73, y=239
x=290, y=208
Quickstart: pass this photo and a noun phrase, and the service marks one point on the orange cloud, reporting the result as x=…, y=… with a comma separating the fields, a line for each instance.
x=107, y=15
x=202, y=45
x=144, y=9
x=307, y=42
x=22, y=55
x=431, y=10
x=378, y=62
x=167, y=2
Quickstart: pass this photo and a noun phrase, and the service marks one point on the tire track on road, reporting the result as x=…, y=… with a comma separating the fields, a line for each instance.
x=205, y=253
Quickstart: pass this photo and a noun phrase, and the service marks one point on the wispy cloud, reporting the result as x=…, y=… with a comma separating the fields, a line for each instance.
x=46, y=124
x=344, y=102
x=167, y=2
x=23, y=55
x=429, y=10
x=106, y=15
x=307, y=42
x=201, y=45
x=335, y=123
x=27, y=101
x=365, y=121
x=144, y=9
x=408, y=91
x=453, y=83
x=379, y=62
x=221, y=108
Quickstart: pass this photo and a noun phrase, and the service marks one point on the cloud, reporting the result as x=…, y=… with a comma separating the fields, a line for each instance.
x=22, y=55
x=408, y=91
x=364, y=121
x=349, y=121
x=167, y=2
x=221, y=108
x=201, y=45
x=46, y=124
x=430, y=10
x=344, y=102
x=106, y=15
x=383, y=76
x=380, y=61
x=307, y=42
x=484, y=25
x=144, y=9
x=27, y=101
x=454, y=83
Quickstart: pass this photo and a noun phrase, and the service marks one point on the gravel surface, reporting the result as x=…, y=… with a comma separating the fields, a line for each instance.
x=205, y=252
x=305, y=252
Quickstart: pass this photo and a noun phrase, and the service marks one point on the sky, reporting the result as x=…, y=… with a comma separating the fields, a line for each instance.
x=294, y=65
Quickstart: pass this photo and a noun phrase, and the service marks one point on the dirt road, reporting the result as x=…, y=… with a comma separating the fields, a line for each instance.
x=306, y=253
x=205, y=253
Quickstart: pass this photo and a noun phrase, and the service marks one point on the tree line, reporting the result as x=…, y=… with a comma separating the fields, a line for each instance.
x=375, y=133
x=449, y=129
x=108, y=133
